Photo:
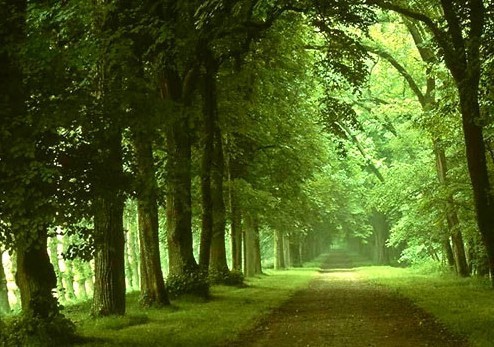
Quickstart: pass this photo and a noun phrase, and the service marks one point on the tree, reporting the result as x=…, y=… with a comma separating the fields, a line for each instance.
x=461, y=50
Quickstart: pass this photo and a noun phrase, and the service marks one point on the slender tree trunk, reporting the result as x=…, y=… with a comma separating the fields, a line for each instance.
x=448, y=251
x=53, y=248
x=451, y=212
x=153, y=290
x=236, y=230
x=252, y=248
x=68, y=274
x=279, y=250
x=80, y=279
x=218, y=250
x=209, y=115
x=132, y=256
x=286, y=251
x=36, y=278
x=4, y=291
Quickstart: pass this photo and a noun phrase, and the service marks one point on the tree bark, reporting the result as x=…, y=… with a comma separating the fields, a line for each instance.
x=279, y=263
x=209, y=117
x=4, y=291
x=252, y=265
x=448, y=251
x=109, y=260
x=152, y=285
x=380, y=226
x=218, y=250
x=36, y=278
x=178, y=167
x=236, y=230
x=108, y=208
x=295, y=254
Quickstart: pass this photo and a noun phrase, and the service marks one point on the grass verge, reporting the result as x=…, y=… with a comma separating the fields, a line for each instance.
x=193, y=322
x=464, y=305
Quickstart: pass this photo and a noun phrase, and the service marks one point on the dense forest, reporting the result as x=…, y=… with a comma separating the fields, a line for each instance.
x=167, y=146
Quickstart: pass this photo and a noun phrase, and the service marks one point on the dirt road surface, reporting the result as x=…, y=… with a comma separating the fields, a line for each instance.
x=340, y=309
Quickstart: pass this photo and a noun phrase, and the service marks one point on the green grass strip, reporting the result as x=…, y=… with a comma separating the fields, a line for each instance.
x=192, y=322
x=464, y=305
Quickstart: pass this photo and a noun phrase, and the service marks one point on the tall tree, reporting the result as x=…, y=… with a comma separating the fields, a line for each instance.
x=460, y=42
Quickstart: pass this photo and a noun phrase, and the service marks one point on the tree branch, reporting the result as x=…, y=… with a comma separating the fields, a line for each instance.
x=401, y=70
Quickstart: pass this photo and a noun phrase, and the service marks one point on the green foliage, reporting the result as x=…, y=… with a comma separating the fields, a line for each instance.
x=26, y=330
x=229, y=278
x=189, y=283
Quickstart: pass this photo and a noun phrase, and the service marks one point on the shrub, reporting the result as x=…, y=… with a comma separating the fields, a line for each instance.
x=26, y=330
x=229, y=278
x=191, y=282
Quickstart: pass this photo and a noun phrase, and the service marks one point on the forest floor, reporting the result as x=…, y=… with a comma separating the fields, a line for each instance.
x=341, y=308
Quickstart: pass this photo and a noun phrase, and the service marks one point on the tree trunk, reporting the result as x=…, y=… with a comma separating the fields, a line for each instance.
x=451, y=212
x=80, y=279
x=109, y=235
x=236, y=230
x=477, y=167
x=53, y=248
x=295, y=256
x=36, y=278
x=152, y=285
x=4, y=291
x=380, y=226
x=286, y=251
x=448, y=251
x=252, y=265
x=279, y=263
x=209, y=115
x=218, y=250
x=178, y=201
x=109, y=260
x=68, y=274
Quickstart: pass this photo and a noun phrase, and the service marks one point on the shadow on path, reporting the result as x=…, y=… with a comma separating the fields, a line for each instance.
x=341, y=309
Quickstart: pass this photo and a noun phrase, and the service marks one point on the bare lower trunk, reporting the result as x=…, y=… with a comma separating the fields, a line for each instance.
x=279, y=250
x=36, y=278
x=236, y=229
x=252, y=248
x=477, y=167
x=152, y=285
x=109, y=259
x=448, y=251
x=4, y=292
x=380, y=226
x=178, y=200
x=218, y=250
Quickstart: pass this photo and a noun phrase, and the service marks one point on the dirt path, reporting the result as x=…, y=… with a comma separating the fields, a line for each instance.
x=339, y=309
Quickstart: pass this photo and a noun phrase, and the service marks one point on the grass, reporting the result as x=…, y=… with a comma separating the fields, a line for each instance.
x=464, y=305
x=193, y=322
